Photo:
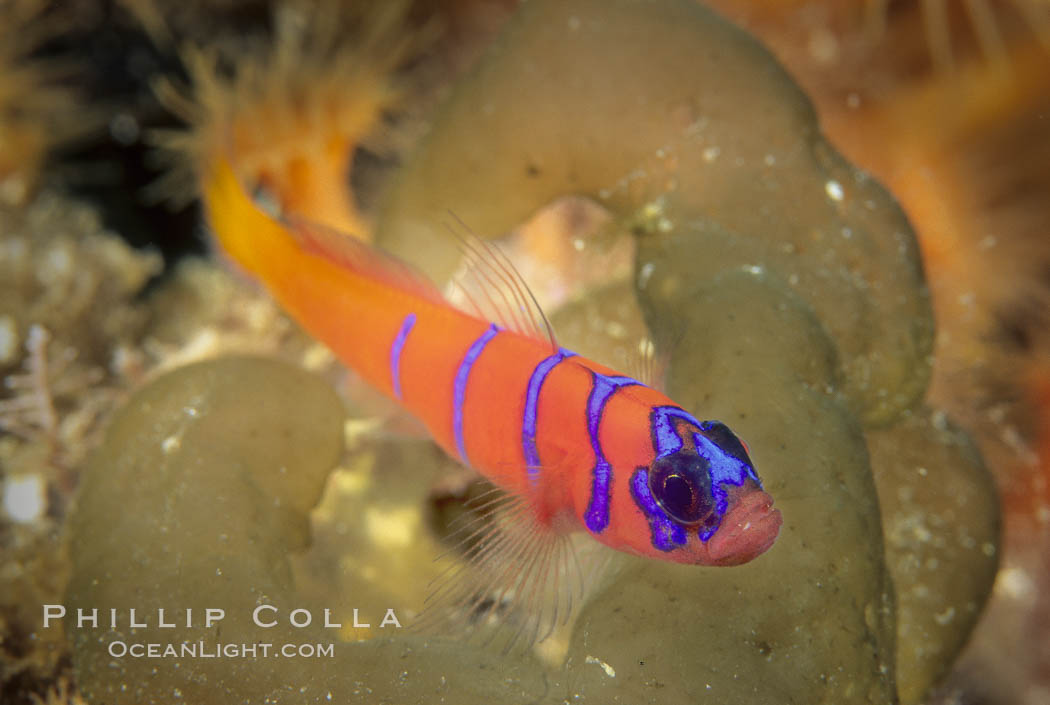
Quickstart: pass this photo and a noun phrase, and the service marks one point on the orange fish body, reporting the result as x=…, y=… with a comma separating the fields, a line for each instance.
x=584, y=447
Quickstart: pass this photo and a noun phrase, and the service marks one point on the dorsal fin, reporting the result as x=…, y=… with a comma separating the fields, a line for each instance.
x=488, y=286
x=360, y=257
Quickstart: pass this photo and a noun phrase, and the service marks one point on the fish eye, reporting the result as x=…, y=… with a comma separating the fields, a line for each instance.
x=681, y=486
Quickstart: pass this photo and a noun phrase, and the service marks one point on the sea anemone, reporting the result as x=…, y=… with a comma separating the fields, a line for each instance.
x=288, y=119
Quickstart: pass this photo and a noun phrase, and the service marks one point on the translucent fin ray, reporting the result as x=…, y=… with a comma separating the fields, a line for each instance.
x=511, y=570
x=649, y=366
x=488, y=286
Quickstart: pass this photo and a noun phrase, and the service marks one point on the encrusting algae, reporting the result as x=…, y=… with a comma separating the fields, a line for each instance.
x=783, y=292
x=68, y=315
x=77, y=335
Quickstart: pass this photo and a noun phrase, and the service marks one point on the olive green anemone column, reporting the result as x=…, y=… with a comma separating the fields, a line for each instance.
x=189, y=514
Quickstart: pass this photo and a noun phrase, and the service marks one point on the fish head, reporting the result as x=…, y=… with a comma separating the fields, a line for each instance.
x=702, y=501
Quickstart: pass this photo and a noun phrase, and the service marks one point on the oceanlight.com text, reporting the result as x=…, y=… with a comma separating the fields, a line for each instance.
x=200, y=649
